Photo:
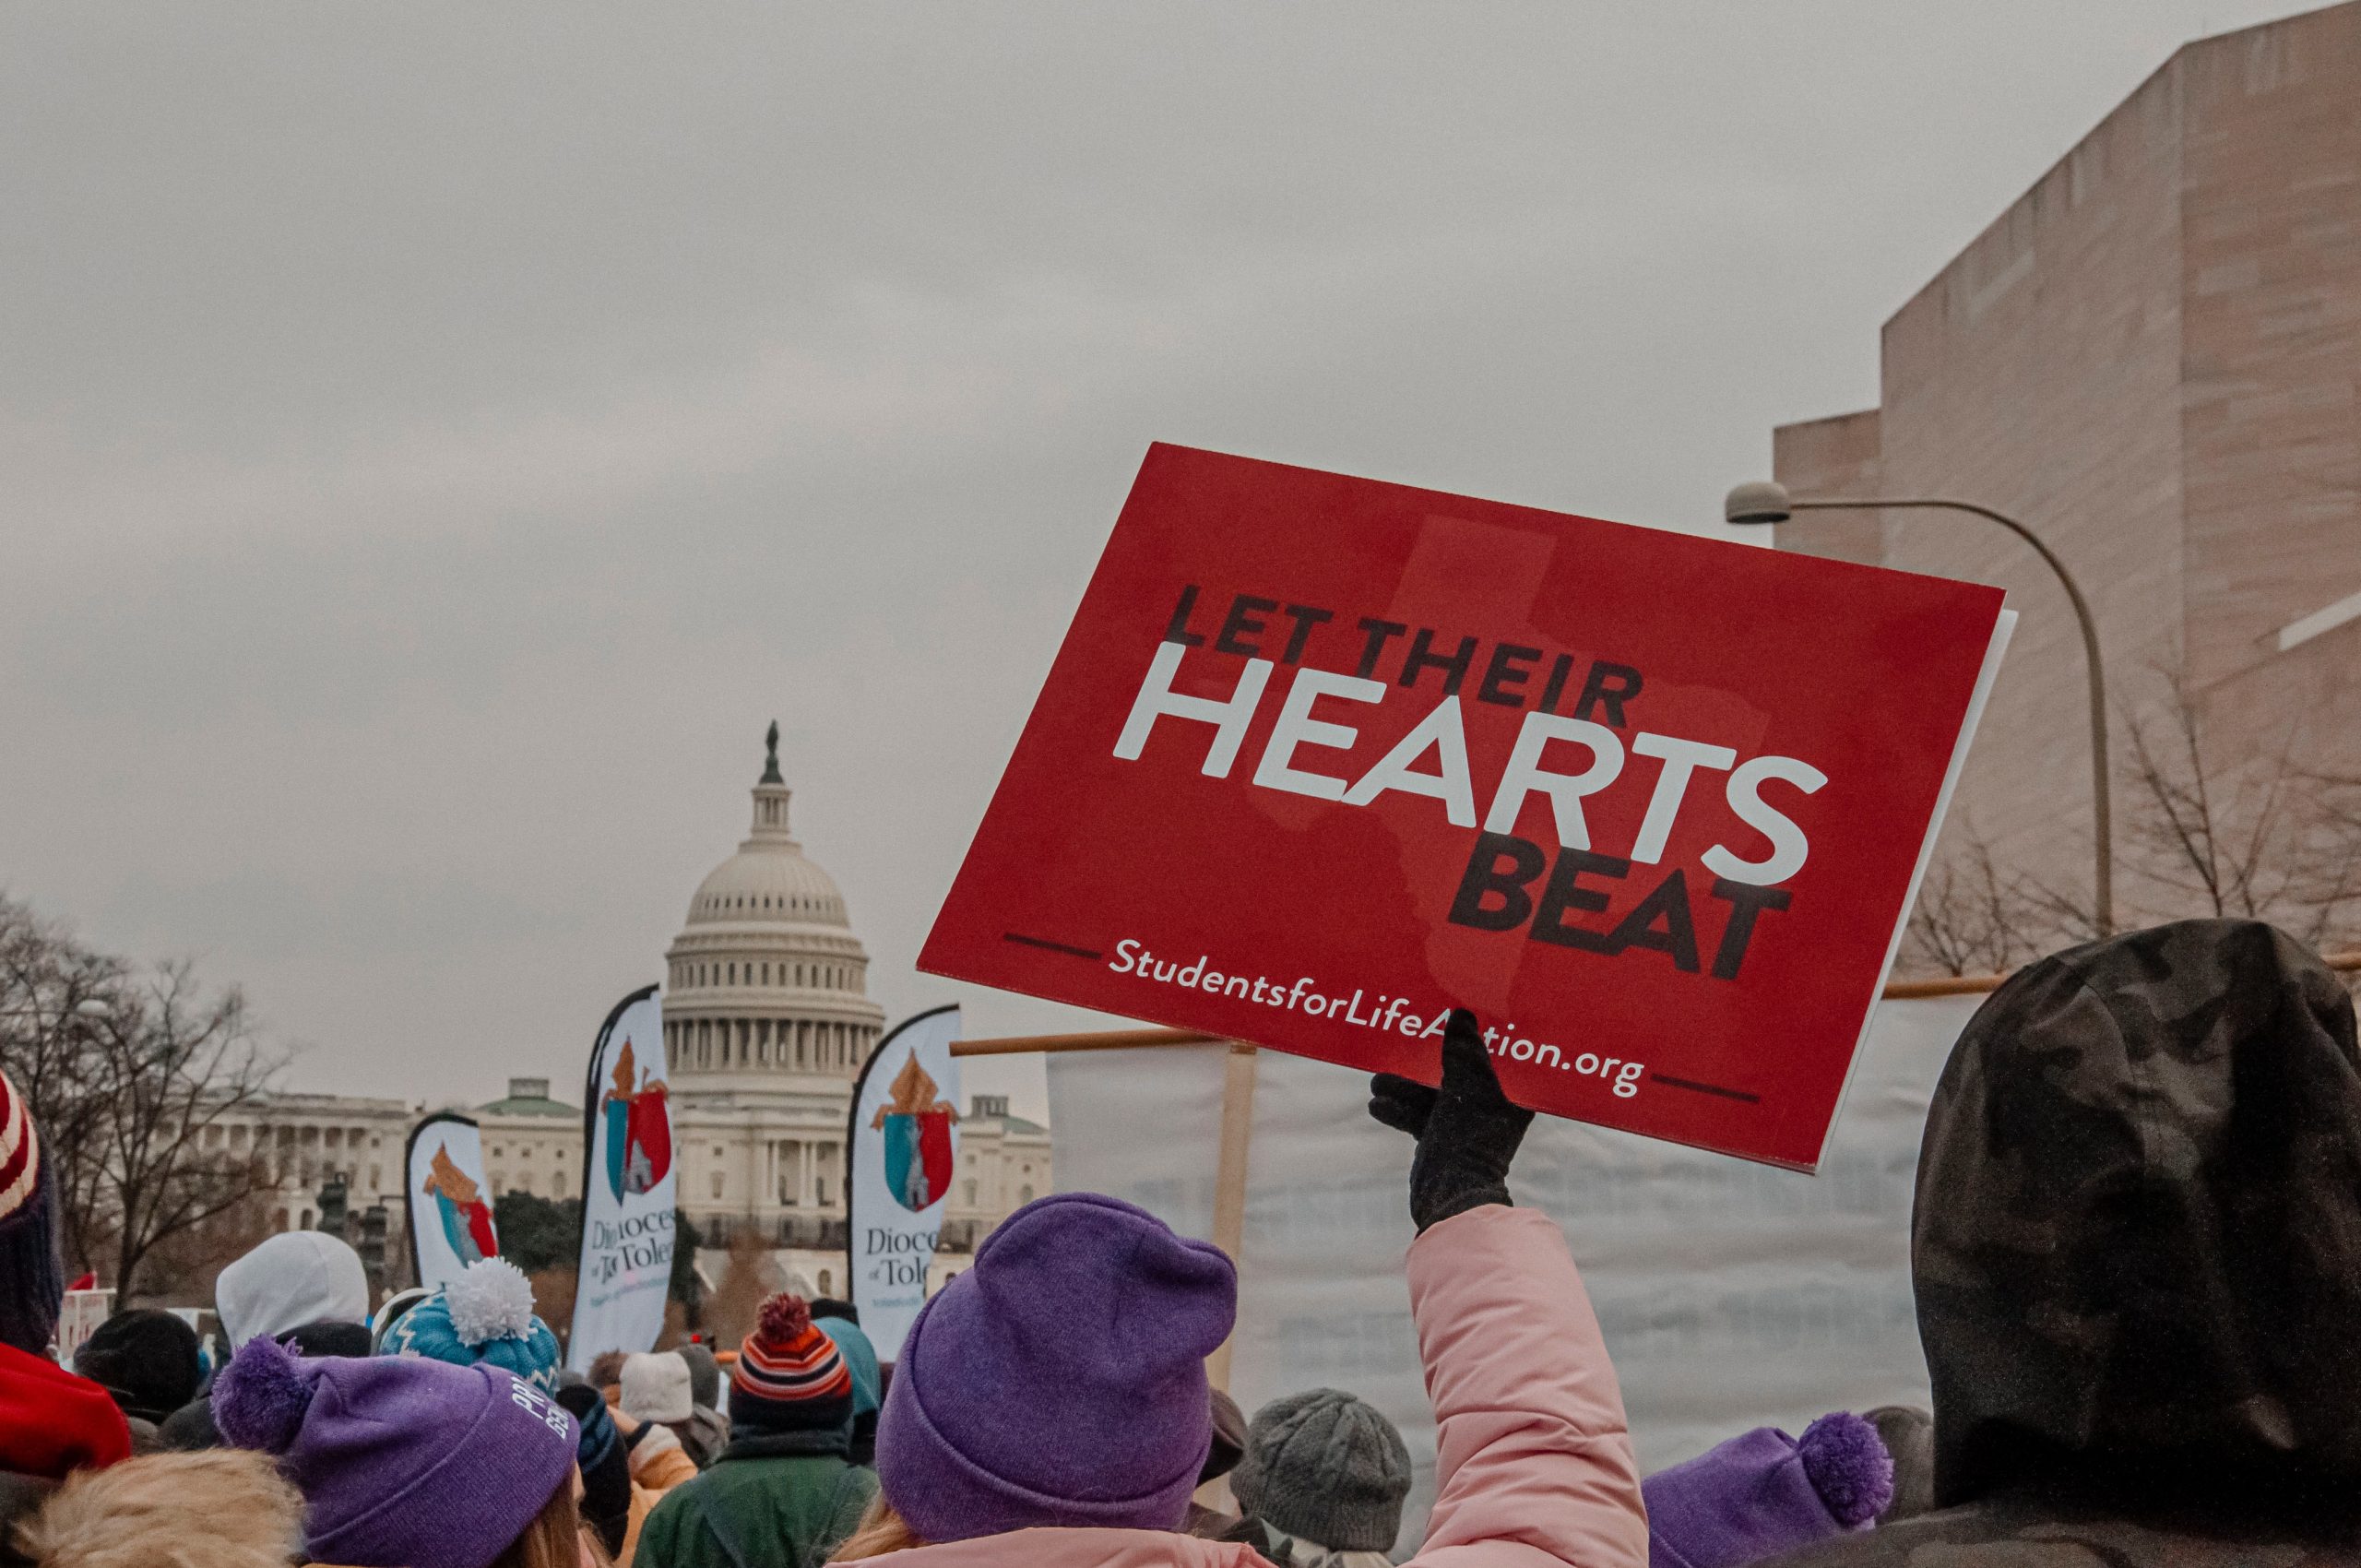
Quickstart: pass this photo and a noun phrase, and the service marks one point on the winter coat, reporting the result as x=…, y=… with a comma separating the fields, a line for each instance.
x=1533, y=1467
x=705, y=1434
x=643, y=1503
x=2137, y=1255
x=190, y=1428
x=582, y=1559
x=52, y=1424
x=774, y=1500
x=20, y=1497
x=658, y=1462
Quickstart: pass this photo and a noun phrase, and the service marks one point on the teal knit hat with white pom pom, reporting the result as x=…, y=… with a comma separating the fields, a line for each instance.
x=484, y=1315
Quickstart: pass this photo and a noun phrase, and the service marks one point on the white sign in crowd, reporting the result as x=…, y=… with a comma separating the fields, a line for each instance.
x=1806, y=1309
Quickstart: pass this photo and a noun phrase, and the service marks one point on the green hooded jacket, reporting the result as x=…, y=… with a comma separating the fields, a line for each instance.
x=774, y=1501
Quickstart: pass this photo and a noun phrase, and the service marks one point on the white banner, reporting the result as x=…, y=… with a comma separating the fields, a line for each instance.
x=78, y=1317
x=450, y=1203
x=628, y=1187
x=1732, y=1295
x=903, y=1145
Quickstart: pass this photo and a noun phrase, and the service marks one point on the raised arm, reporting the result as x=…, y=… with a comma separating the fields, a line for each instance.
x=1534, y=1464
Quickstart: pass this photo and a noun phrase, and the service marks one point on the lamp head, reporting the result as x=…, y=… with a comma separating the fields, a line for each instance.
x=1760, y=501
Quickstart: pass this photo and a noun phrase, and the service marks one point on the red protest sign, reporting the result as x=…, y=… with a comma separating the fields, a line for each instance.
x=1322, y=757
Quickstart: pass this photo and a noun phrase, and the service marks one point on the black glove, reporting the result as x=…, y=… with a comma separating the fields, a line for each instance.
x=1467, y=1131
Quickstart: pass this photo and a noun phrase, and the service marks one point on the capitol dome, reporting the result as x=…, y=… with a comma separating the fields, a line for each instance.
x=768, y=878
x=766, y=986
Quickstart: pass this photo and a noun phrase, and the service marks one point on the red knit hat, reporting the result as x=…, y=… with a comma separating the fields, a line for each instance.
x=52, y=1422
x=789, y=1376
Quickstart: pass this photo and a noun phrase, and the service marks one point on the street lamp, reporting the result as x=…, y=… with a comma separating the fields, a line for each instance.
x=1766, y=501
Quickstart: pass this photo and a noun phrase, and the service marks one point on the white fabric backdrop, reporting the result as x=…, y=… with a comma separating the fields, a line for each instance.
x=1731, y=1294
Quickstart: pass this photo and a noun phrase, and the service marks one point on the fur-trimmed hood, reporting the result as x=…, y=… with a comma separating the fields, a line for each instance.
x=227, y=1508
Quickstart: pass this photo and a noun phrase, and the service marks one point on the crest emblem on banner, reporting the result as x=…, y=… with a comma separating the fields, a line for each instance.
x=917, y=1128
x=639, y=1130
x=467, y=1219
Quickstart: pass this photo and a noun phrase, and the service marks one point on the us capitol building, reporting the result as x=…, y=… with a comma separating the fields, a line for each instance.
x=766, y=1023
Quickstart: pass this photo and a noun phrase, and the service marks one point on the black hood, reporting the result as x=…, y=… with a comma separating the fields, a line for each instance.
x=2136, y=1239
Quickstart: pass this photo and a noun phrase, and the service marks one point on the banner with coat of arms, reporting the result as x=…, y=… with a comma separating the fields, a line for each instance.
x=627, y=1186
x=903, y=1145
x=450, y=1203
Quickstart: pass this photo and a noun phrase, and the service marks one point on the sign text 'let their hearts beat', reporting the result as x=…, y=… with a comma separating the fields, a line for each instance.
x=1322, y=758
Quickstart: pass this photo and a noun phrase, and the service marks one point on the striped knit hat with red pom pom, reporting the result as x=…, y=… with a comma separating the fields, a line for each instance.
x=789, y=1376
x=32, y=1279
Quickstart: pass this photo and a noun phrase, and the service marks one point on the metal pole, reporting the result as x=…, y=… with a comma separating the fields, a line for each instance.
x=2102, y=812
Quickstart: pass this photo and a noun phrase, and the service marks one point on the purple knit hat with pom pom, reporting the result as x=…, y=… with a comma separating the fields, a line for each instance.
x=1762, y=1493
x=403, y=1463
x=1061, y=1379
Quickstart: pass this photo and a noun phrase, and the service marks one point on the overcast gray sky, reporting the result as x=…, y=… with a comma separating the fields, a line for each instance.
x=439, y=438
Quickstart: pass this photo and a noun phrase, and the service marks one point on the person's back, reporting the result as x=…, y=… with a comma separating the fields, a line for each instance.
x=1049, y=1408
x=146, y=1360
x=762, y=1504
x=784, y=1492
x=1324, y=1475
x=2137, y=1254
x=53, y=1423
x=706, y=1432
x=868, y=1382
x=302, y=1288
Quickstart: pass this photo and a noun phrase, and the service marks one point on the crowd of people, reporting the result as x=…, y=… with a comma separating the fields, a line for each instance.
x=2136, y=1250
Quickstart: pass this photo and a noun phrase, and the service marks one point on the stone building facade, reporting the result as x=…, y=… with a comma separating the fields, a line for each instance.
x=2151, y=359
x=532, y=1143
x=308, y=1140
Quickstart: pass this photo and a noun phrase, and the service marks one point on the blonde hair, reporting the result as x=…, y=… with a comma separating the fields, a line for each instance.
x=556, y=1538
x=881, y=1531
x=224, y=1508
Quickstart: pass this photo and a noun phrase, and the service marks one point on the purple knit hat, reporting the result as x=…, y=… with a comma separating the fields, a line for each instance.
x=1061, y=1380
x=1762, y=1493
x=402, y=1462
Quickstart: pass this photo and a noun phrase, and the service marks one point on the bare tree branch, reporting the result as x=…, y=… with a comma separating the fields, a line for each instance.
x=1971, y=918
x=179, y=1063
x=2253, y=837
x=124, y=1100
x=2200, y=832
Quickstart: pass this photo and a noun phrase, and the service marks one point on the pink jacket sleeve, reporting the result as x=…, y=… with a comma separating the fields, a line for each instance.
x=1534, y=1466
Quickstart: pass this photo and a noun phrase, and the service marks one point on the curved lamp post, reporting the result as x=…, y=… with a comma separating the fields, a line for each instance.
x=1766, y=501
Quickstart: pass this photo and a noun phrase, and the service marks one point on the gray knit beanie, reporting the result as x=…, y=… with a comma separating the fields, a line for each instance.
x=705, y=1375
x=1324, y=1466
